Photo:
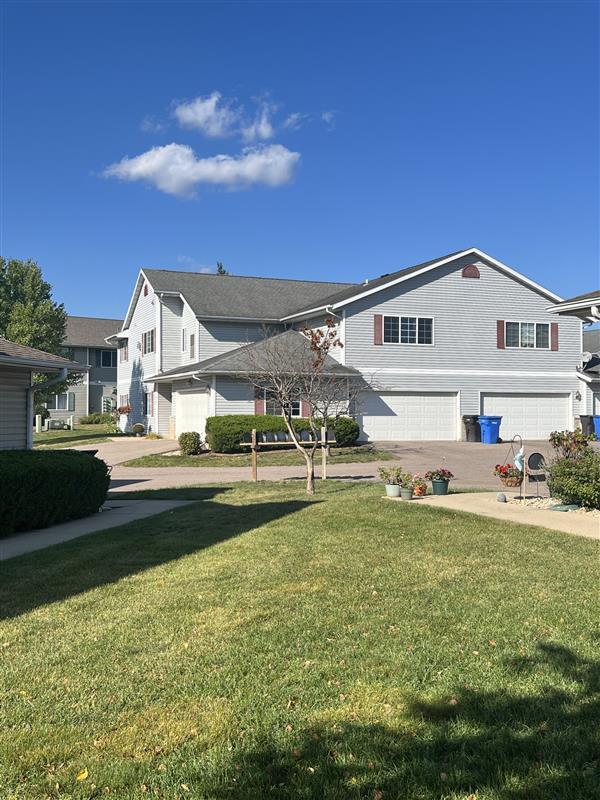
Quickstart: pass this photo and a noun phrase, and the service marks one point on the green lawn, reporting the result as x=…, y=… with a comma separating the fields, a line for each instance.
x=83, y=434
x=262, y=644
x=273, y=458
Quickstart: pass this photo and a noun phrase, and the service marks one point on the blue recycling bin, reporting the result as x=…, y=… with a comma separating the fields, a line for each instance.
x=597, y=425
x=490, y=429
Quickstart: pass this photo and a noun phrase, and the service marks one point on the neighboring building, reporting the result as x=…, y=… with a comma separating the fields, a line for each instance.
x=461, y=334
x=85, y=343
x=586, y=307
x=17, y=365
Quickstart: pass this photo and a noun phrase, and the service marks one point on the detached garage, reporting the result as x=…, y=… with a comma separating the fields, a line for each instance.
x=409, y=416
x=531, y=415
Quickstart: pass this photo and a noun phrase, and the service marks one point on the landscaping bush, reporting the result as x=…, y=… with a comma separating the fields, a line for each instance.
x=576, y=480
x=224, y=434
x=41, y=488
x=96, y=419
x=346, y=431
x=190, y=443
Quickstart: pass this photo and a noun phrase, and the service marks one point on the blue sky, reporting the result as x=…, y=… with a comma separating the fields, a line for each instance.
x=355, y=139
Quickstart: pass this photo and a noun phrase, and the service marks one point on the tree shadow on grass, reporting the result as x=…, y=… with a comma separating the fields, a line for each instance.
x=68, y=569
x=476, y=744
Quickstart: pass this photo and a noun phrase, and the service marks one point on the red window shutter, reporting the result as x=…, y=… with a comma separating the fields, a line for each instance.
x=377, y=329
x=304, y=408
x=500, y=334
x=259, y=403
x=554, y=336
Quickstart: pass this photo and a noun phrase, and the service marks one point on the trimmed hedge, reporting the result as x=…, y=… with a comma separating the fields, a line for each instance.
x=41, y=488
x=96, y=419
x=346, y=431
x=224, y=434
x=190, y=443
x=576, y=480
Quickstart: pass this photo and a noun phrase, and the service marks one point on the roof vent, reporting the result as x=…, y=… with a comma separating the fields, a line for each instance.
x=366, y=282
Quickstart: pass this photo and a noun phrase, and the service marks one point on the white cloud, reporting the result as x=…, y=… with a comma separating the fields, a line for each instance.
x=151, y=124
x=175, y=168
x=193, y=264
x=294, y=121
x=209, y=115
x=261, y=127
x=328, y=118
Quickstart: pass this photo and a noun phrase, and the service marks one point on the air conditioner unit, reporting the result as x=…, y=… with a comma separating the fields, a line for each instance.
x=56, y=425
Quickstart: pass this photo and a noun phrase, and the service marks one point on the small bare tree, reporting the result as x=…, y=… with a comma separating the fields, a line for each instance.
x=294, y=367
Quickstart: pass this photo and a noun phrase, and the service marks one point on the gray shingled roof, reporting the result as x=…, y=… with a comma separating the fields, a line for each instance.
x=90, y=331
x=12, y=352
x=291, y=345
x=382, y=280
x=587, y=296
x=235, y=296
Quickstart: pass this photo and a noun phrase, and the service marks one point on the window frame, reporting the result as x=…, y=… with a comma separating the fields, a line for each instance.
x=192, y=345
x=279, y=414
x=184, y=340
x=417, y=318
x=520, y=346
x=55, y=406
x=113, y=358
x=145, y=348
x=123, y=351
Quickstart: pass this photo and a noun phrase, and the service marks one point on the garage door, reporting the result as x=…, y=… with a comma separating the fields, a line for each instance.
x=191, y=409
x=532, y=416
x=408, y=416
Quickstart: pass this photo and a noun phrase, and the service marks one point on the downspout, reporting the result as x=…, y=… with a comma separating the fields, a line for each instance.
x=59, y=378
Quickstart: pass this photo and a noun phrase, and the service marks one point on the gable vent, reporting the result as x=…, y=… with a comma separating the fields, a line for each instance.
x=471, y=271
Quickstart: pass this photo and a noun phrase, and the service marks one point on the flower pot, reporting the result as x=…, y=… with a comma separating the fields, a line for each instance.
x=439, y=486
x=405, y=493
x=392, y=490
x=511, y=482
x=420, y=491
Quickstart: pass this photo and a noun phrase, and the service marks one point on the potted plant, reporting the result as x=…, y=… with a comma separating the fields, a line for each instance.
x=419, y=485
x=406, y=486
x=138, y=429
x=440, y=478
x=510, y=476
x=391, y=478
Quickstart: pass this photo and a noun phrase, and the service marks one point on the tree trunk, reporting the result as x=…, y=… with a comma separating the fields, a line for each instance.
x=307, y=455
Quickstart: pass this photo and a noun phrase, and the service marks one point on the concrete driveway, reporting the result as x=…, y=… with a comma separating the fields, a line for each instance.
x=472, y=464
x=118, y=450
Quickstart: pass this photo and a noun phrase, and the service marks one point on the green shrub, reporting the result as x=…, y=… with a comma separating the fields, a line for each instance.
x=346, y=431
x=570, y=444
x=42, y=488
x=224, y=434
x=190, y=443
x=96, y=419
x=576, y=480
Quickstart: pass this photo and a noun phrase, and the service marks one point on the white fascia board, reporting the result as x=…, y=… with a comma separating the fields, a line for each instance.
x=579, y=305
x=228, y=318
x=471, y=251
x=311, y=311
x=136, y=292
x=42, y=366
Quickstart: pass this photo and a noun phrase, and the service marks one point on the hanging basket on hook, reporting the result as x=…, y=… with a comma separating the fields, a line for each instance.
x=510, y=475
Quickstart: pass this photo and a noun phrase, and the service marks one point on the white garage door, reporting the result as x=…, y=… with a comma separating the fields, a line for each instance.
x=408, y=416
x=532, y=416
x=191, y=409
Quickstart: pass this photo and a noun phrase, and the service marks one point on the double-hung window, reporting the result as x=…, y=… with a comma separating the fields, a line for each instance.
x=148, y=342
x=272, y=406
x=108, y=358
x=123, y=350
x=192, y=345
x=528, y=335
x=58, y=402
x=184, y=340
x=407, y=330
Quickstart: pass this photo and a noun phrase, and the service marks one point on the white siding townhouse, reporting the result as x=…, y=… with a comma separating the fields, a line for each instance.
x=460, y=334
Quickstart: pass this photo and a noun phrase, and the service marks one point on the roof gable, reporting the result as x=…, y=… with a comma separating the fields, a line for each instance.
x=354, y=293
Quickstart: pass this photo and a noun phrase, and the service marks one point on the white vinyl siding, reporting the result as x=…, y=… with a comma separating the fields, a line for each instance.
x=530, y=415
x=216, y=337
x=408, y=416
x=233, y=396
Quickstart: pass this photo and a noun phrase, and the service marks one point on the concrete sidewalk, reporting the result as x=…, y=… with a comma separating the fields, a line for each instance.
x=118, y=450
x=115, y=513
x=486, y=504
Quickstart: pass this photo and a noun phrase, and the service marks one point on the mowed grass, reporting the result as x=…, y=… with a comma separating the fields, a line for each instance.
x=260, y=644
x=83, y=434
x=272, y=458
